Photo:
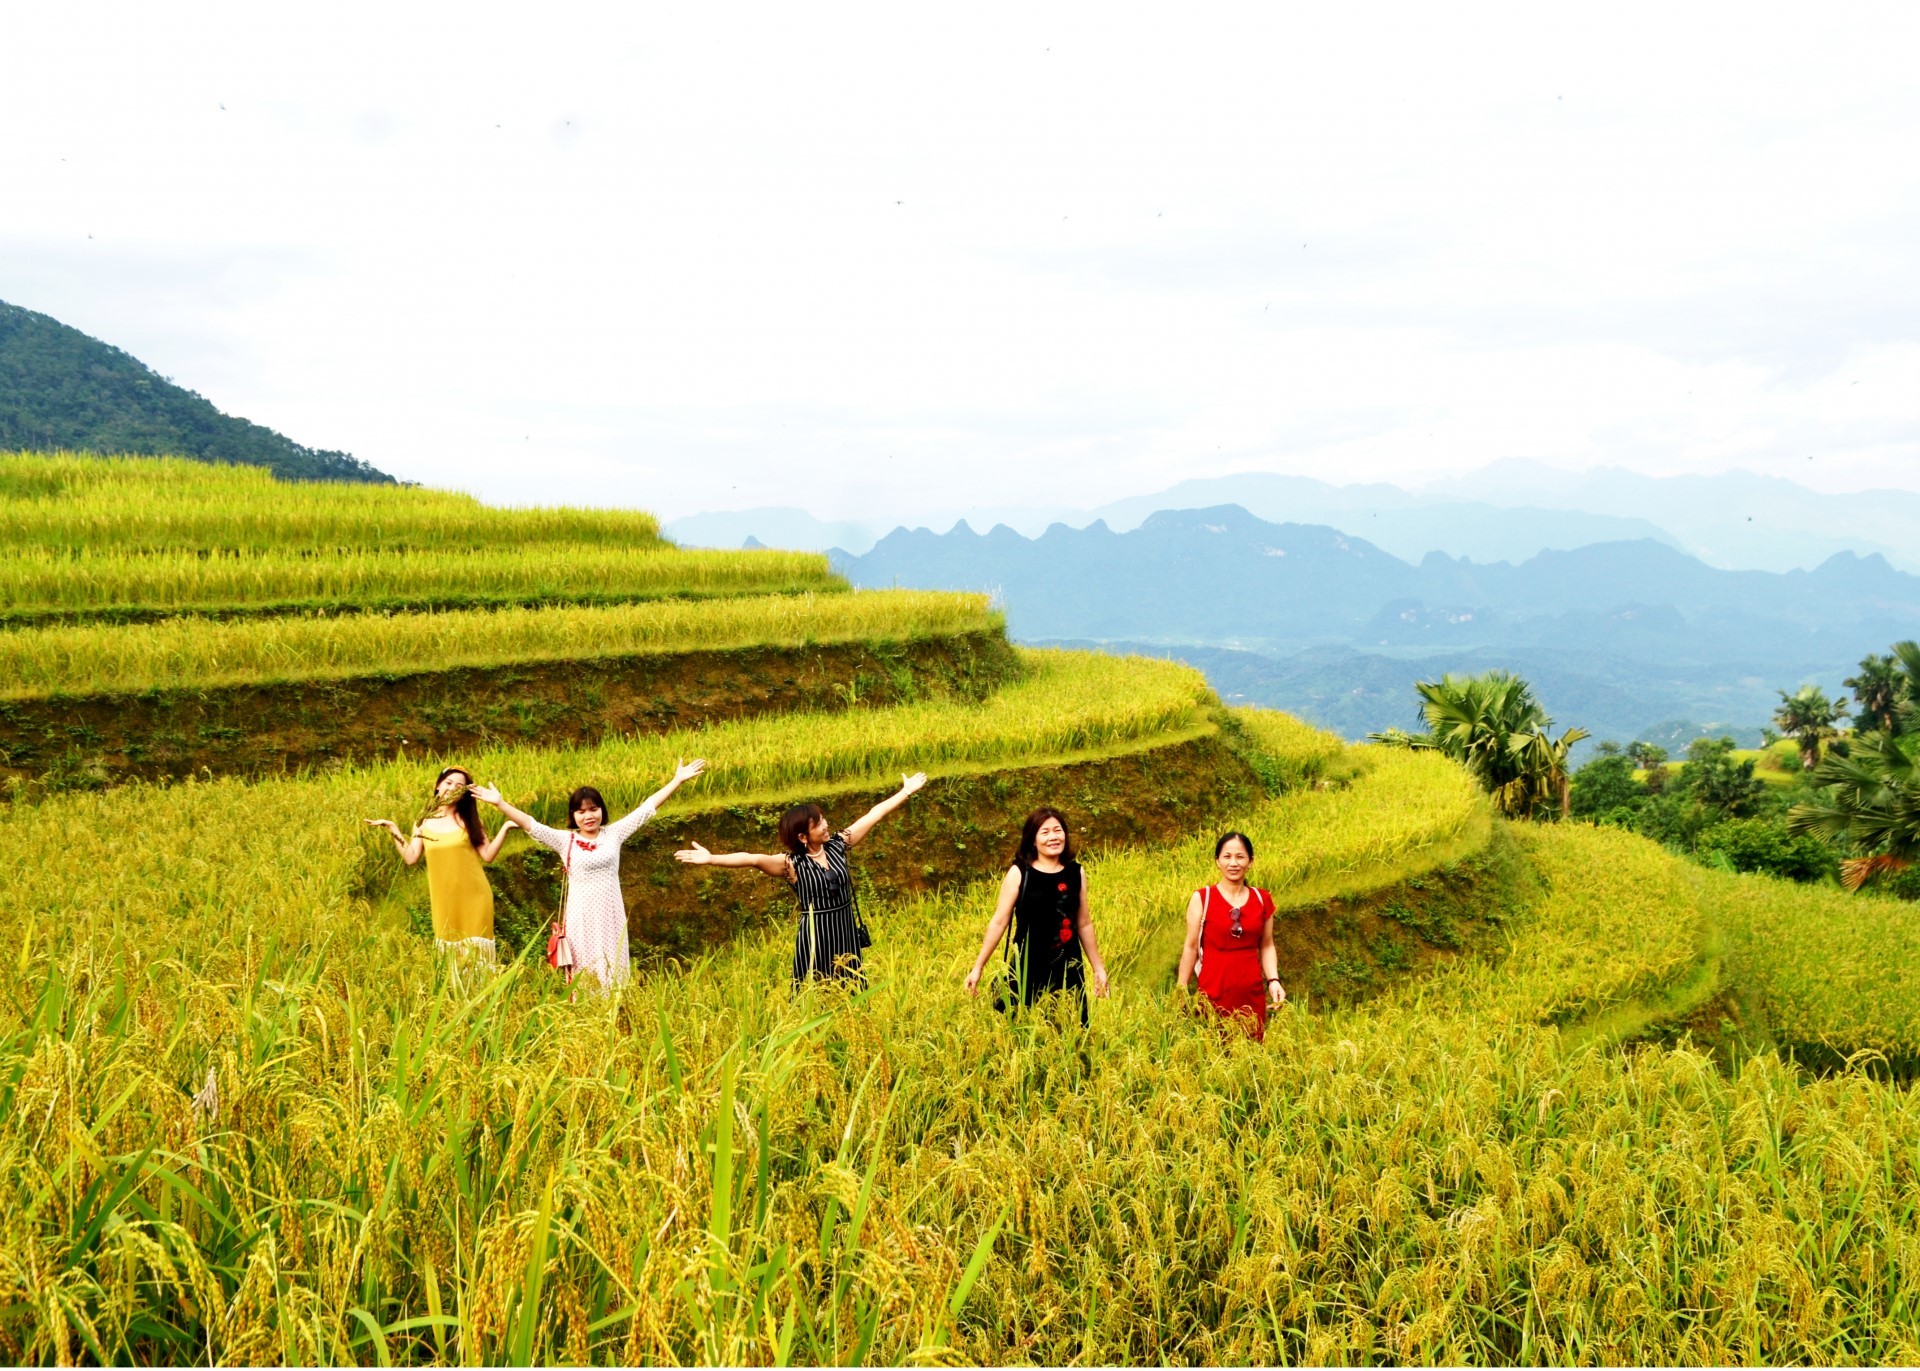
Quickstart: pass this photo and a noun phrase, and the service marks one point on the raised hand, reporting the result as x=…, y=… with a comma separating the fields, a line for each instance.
x=490, y=794
x=909, y=784
x=693, y=856
x=686, y=771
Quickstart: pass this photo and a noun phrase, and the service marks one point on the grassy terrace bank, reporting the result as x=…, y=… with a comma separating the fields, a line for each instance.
x=99, y=704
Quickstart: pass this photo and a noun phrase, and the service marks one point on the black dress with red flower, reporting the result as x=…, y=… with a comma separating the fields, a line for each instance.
x=1046, y=935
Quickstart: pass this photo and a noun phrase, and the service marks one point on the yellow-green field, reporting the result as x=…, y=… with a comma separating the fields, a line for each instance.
x=255, y=848
x=67, y=503
x=1778, y=765
x=246, y=1116
x=201, y=653
x=1827, y=970
x=406, y=1167
x=39, y=583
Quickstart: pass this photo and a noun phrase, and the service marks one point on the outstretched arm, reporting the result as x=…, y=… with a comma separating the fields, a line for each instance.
x=864, y=824
x=1089, y=943
x=996, y=926
x=491, y=847
x=773, y=863
x=1190, y=953
x=628, y=823
x=410, y=848
x=539, y=832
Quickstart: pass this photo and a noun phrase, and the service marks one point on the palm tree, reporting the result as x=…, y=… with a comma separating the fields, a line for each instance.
x=1492, y=725
x=1907, y=654
x=1879, y=689
x=1808, y=717
x=1871, y=803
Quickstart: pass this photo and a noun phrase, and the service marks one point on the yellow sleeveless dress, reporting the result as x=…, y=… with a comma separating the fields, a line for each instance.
x=457, y=887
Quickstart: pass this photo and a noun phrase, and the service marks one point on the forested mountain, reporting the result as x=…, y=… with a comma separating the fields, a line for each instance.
x=60, y=389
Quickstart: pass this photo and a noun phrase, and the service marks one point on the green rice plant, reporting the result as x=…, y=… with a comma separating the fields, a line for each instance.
x=414, y=1166
x=38, y=584
x=1829, y=971
x=70, y=503
x=93, y=659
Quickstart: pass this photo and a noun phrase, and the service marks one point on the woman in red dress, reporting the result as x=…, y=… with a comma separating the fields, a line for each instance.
x=1230, y=941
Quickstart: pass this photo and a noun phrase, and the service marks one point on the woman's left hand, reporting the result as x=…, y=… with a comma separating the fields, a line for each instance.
x=686, y=771
x=487, y=793
x=1276, y=993
x=909, y=784
x=1100, y=981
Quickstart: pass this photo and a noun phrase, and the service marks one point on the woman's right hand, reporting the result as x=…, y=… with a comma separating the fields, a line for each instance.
x=973, y=982
x=693, y=856
x=387, y=824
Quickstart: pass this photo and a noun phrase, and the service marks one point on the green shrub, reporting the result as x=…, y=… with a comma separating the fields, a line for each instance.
x=1765, y=846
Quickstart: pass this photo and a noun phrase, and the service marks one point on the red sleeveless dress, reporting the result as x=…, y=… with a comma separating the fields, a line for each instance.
x=1230, y=972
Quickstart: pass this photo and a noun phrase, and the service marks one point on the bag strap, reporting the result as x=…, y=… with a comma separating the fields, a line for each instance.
x=1006, y=943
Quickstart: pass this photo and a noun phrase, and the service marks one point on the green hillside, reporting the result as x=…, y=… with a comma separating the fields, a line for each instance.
x=60, y=389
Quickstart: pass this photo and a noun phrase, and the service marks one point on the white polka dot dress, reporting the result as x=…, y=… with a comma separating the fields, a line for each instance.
x=596, y=913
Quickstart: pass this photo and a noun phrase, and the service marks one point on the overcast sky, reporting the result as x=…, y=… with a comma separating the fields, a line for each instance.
x=702, y=257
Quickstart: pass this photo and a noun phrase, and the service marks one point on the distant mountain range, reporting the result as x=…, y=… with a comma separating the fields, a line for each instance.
x=1638, y=634
x=60, y=389
x=1509, y=511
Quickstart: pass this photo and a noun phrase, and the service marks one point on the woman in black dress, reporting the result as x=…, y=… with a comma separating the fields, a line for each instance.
x=1044, y=896
x=828, y=941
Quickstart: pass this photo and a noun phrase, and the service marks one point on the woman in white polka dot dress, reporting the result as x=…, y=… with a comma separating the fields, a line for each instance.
x=595, y=921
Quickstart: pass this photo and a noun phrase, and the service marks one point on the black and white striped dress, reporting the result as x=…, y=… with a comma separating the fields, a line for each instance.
x=827, y=942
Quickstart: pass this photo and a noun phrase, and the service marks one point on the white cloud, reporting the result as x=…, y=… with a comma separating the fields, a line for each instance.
x=876, y=257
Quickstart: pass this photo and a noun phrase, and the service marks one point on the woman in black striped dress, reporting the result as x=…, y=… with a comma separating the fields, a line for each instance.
x=828, y=940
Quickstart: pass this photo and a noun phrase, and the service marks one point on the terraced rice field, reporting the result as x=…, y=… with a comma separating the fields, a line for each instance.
x=258, y=847
x=246, y=1116
x=41, y=586
x=410, y=1168
x=1828, y=974
x=88, y=505
x=198, y=654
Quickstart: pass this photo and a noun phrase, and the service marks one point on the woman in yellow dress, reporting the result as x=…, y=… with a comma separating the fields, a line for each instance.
x=455, y=845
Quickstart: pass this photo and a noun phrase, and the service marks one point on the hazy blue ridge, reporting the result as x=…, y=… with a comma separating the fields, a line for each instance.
x=1510, y=511
x=60, y=388
x=1635, y=638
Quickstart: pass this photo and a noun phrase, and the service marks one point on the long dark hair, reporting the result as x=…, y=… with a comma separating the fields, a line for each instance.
x=796, y=823
x=465, y=808
x=585, y=795
x=1029, y=849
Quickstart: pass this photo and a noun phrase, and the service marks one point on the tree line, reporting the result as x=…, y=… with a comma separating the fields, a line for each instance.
x=1847, y=807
